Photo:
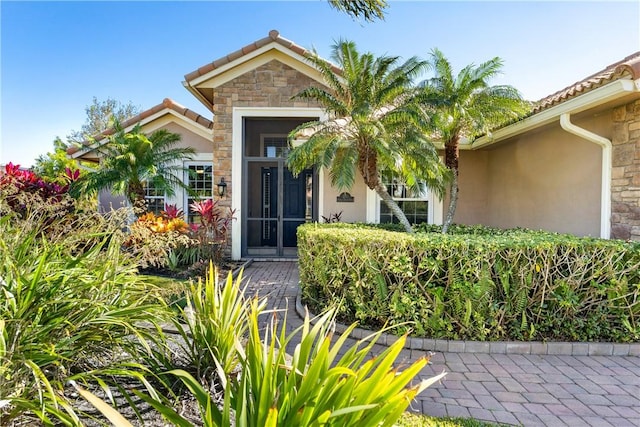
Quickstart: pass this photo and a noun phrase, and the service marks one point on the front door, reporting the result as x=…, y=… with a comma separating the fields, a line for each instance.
x=278, y=204
x=274, y=202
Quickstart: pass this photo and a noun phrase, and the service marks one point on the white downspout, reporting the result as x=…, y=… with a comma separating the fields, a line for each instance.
x=605, y=197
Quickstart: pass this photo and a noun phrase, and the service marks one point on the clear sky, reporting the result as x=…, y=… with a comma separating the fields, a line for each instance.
x=56, y=56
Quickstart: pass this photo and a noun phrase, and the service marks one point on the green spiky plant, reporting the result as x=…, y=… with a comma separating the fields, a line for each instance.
x=213, y=324
x=69, y=312
x=314, y=385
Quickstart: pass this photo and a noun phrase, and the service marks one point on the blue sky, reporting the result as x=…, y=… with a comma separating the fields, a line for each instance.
x=56, y=56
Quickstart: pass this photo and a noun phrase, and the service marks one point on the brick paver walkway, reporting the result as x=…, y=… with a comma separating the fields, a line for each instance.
x=528, y=390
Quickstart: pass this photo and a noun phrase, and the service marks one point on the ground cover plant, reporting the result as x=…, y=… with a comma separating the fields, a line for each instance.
x=476, y=283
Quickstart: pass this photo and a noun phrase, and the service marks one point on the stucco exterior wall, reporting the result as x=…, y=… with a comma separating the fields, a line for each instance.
x=625, y=174
x=270, y=85
x=547, y=180
x=355, y=211
x=190, y=139
x=473, y=189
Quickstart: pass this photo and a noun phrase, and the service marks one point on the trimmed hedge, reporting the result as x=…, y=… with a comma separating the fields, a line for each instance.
x=475, y=283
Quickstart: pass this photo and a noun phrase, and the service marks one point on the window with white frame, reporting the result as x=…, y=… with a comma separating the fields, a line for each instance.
x=200, y=182
x=154, y=197
x=414, y=205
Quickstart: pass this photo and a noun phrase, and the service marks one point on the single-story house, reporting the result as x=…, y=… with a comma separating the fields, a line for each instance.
x=572, y=166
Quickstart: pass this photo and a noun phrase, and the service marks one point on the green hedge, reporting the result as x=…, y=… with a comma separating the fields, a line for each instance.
x=475, y=283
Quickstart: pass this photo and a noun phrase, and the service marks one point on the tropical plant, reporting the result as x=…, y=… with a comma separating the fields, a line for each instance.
x=131, y=159
x=367, y=9
x=213, y=324
x=70, y=309
x=53, y=166
x=153, y=239
x=22, y=190
x=466, y=106
x=212, y=232
x=320, y=383
x=375, y=125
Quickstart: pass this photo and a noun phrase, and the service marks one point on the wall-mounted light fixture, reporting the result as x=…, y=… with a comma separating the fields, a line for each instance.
x=222, y=187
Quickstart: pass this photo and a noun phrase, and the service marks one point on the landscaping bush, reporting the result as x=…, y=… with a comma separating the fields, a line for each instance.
x=475, y=283
x=70, y=307
x=318, y=384
x=167, y=241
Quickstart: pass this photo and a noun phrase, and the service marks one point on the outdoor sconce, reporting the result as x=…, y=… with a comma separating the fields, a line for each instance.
x=222, y=187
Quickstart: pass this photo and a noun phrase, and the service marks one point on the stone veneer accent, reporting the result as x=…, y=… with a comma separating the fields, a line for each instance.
x=270, y=85
x=625, y=176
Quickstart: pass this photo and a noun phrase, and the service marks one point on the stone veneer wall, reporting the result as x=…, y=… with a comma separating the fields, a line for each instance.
x=270, y=85
x=625, y=184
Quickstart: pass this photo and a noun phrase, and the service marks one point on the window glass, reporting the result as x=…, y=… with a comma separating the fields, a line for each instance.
x=414, y=205
x=155, y=199
x=200, y=181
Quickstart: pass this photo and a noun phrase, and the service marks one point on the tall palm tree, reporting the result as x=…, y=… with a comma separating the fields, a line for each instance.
x=131, y=159
x=374, y=125
x=466, y=106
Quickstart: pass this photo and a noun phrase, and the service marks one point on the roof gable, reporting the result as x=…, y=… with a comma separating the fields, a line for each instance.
x=273, y=47
x=154, y=118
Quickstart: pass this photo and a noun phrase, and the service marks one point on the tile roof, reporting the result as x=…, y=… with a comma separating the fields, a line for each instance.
x=166, y=103
x=627, y=67
x=274, y=36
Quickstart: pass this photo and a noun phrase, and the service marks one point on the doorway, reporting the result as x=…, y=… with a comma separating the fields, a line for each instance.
x=276, y=201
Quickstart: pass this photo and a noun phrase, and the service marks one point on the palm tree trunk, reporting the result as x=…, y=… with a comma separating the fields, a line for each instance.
x=393, y=206
x=135, y=194
x=451, y=159
x=453, y=203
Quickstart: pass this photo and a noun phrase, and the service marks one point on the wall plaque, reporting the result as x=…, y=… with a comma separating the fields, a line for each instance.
x=344, y=198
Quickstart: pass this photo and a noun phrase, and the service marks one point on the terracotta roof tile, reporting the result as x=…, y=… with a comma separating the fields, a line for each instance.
x=274, y=36
x=627, y=67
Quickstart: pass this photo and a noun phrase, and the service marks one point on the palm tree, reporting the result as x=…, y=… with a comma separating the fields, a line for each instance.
x=375, y=126
x=466, y=106
x=131, y=159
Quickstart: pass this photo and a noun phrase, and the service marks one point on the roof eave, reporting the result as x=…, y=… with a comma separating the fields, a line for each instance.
x=199, y=95
x=594, y=98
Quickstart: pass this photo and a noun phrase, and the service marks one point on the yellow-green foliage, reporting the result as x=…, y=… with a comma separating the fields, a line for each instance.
x=476, y=283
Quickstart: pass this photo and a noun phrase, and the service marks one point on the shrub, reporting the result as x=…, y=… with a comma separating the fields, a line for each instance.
x=213, y=230
x=477, y=284
x=321, y=383
x=213, y=324
x=69, y=308
x=167, y=241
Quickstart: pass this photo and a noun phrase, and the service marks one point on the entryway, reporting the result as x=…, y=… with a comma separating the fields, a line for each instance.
x=275, y=202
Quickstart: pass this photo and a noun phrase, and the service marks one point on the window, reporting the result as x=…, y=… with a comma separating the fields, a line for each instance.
x=414, y=206
x=200, y=181
x=155, y=198
x=274, y=145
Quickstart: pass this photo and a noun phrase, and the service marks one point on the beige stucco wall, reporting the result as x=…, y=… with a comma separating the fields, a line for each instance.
x=355, y=211
x=547, y=179
x=189, y=138
x=473, y=189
